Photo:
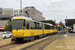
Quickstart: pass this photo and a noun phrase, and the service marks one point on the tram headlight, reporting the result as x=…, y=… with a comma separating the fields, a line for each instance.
x=20, y=34
x=13, y=34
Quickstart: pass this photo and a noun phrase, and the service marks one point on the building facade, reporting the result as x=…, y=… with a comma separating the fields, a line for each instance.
x=5, y=15
x=16, y=12
x=33, y=13
x=6, y=12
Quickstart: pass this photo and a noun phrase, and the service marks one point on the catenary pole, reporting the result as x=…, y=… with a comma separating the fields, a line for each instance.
x=21, y=7
x=66, y=25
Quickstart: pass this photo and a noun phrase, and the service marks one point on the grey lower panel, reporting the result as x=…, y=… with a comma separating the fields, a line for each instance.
x=21, y=38
x=25, y=38
x=28, y=37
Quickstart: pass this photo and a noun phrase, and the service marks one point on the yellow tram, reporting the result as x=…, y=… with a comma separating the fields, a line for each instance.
x=25, y=28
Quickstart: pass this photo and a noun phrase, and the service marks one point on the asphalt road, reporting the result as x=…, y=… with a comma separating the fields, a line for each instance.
x=70, y=34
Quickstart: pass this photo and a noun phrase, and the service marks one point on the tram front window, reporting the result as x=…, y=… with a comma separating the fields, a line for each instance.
x=17, y=24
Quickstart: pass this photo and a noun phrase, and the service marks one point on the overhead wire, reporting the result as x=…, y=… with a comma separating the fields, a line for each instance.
x=47, y=6
x=33, y=3
x=40, y=7
x=36, y=5
x=52, y=4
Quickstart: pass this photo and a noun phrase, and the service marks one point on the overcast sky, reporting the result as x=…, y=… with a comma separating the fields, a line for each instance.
x=51, y=9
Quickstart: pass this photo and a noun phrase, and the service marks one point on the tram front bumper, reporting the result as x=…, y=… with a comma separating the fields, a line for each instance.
x=20, y=38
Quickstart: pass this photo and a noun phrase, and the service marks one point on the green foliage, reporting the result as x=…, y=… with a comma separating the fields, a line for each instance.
x=61, y=23
x=8, y=26
x=61, y=26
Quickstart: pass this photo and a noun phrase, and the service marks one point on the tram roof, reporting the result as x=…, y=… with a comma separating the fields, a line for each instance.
x=22, y=17
x=48, y=24
x=27, y=18
x=49, y=21
x=36, y=21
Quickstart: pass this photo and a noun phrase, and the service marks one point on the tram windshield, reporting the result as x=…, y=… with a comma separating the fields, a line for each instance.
x=17, y=24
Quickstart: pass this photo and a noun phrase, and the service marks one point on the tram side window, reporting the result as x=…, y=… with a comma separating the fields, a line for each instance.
x=31, y=24
x=52, y=27
x=44, y=27
x=47, y=27
x=55, y=27
x=36, y=25
x=24, y=25
x=40, y=25
x=27, y=24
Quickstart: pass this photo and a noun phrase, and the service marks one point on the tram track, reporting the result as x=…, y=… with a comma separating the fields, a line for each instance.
x=13, y=46
x=48, y=44
x=41, y=44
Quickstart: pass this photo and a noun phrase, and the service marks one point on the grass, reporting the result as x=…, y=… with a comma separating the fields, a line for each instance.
x=5, y=41
x=39, y=45
x=66, y=44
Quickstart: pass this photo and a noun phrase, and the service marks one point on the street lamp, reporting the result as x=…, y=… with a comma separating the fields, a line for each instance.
x=66, y=25
x=21, y=7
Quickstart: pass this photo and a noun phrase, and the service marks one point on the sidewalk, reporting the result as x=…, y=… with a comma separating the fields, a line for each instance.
x=70, y=34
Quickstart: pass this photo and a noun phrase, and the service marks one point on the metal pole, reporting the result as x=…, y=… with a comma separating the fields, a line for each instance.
x=62, y=27
x=21, y=7
x=66, y=25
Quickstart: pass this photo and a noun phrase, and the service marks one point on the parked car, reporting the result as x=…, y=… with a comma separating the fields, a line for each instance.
x=7, y=35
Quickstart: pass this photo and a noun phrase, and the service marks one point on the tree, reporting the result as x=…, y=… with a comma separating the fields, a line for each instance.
x=61, y=27
x=8, y=26
x=60, y=23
